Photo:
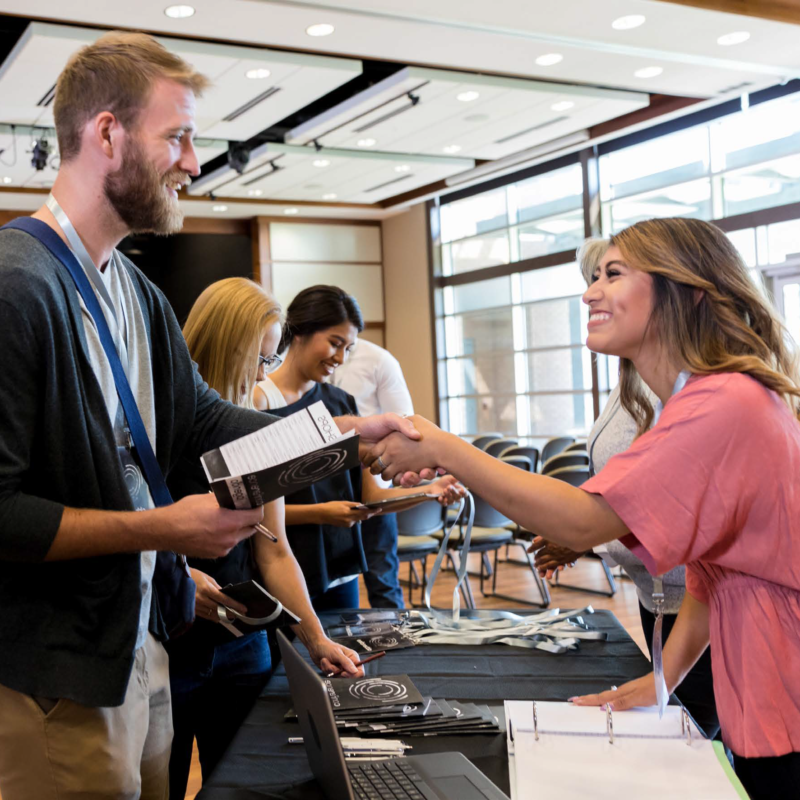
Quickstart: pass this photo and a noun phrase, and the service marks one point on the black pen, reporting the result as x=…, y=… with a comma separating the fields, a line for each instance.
x=362, y=662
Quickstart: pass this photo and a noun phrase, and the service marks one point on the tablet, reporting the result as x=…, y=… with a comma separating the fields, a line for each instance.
x=393, y=501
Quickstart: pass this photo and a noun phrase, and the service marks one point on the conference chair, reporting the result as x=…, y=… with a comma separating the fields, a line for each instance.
x=574, y=459
x=498, y=445
x=578, y=445
x=554, y=446
x=531, y=453
x=489, y=518
x=415, y=542
x=481, y=441
x=576, y=476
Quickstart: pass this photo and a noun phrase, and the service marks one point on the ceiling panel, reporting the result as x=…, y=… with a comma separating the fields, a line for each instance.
x=420, y=111
x=295, y=80
x=294, y=172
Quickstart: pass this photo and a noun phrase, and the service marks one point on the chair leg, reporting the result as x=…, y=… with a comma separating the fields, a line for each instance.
x=544, y=592
x=612, y=585
x=485, y=562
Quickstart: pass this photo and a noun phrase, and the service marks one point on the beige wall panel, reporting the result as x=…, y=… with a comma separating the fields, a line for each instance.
x=350, y=243
x=362, y=281
x=409, y=328
x=374, y=335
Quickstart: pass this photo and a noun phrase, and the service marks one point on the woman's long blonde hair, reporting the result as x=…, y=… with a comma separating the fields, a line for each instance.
x=707, y=311
x=224, y=332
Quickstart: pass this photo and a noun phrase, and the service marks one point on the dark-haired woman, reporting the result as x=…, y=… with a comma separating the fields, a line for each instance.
x=323, y=521
x=711, y=481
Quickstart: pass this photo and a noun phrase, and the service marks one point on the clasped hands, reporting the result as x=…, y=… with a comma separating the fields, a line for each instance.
x=400, y=449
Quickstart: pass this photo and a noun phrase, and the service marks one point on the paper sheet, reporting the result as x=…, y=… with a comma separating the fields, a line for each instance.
x=294, y=436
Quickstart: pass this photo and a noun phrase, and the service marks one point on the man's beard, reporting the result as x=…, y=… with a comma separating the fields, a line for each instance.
x=138, y=194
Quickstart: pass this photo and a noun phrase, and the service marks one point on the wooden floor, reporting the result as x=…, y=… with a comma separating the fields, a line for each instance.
x=516, y=580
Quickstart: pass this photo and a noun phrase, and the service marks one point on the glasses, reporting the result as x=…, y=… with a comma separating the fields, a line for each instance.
x=269, y=363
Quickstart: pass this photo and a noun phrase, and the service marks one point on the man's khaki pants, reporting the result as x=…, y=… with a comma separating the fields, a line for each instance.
x=70, y=751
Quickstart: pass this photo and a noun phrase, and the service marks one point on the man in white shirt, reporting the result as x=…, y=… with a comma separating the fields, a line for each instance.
x=375, y=379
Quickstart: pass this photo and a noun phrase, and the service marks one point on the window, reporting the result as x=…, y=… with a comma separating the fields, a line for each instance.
x=511, y=347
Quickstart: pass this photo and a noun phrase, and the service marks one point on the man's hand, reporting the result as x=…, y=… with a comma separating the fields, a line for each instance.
x=550, y=558
x=197, y=526
x=633, y=694
x=209, y=595
x=332, y=657
x=345, y=514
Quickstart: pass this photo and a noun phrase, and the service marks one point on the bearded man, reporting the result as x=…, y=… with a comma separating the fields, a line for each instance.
x=84, y=687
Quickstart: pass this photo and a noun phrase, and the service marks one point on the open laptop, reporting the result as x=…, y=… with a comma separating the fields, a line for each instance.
x=438, y=776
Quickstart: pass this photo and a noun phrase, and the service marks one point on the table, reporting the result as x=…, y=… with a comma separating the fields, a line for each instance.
x=261, y=764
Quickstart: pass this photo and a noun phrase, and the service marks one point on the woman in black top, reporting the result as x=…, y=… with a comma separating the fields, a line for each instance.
x=322, y=522
x=233, y=331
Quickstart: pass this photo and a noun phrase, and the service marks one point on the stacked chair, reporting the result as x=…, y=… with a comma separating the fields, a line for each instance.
x=415, y=542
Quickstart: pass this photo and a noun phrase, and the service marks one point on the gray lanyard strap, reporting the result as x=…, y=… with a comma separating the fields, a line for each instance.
x=466, y=502
x=84, y=259
x=662, y=695
x=223, y=611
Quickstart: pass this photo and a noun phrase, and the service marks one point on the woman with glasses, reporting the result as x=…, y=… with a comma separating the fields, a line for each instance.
x=323, y=521
x=233, y=332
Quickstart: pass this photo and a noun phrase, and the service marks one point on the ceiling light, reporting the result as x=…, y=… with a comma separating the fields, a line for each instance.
x=8, y=180
x=321, y=162
x=563, y=105
x=320, y=29
x=549, y=59
x=402, y=168
x=219, y=208
x=468, y=97
x=628, y=22
x=258, y=74
x=179, y=12
x=366, y=142
x=255, y=193
x=330, y=196
x=733, y=38
x=290, y=211
x=648, y=72
x=450, y=149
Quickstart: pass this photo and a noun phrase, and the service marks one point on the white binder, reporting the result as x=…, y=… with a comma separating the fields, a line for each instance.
x=574, y=752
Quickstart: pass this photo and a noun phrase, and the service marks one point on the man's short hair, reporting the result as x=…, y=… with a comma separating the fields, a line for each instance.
x=114, y=74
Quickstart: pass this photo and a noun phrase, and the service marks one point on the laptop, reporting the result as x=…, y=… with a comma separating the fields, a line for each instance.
x=438, y=776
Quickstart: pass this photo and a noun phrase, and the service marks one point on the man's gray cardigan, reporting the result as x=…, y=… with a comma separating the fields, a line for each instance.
x=68, y=628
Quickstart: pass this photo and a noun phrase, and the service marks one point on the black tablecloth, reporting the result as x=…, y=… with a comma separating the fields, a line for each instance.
x=261, y=764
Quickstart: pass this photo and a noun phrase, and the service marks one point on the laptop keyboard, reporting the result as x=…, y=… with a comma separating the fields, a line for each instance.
x=385, y=780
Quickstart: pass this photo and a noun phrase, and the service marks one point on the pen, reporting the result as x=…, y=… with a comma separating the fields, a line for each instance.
x=266, y=532
x=362, y=662
x=376, y=748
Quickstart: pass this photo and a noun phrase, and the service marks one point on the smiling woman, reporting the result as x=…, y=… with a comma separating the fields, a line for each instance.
x=712, y=485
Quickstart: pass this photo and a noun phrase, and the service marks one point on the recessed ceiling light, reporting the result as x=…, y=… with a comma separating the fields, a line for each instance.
x=290, y=211
x=179, y=12
x=258, y=74
x=627, y=23
x=402, y=168
x=8, y=179
x=468, y=97
x=733, y=38
x=321, y=162
x=563, y=105
x=451, y=148
x=548, y=59
x=320, y=29
x=329, y=196
x=648, y=72
x=255, y=193
x=219, y=209
x=366, y=142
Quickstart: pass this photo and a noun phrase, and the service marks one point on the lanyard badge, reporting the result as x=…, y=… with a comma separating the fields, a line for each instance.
x=662, y=695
